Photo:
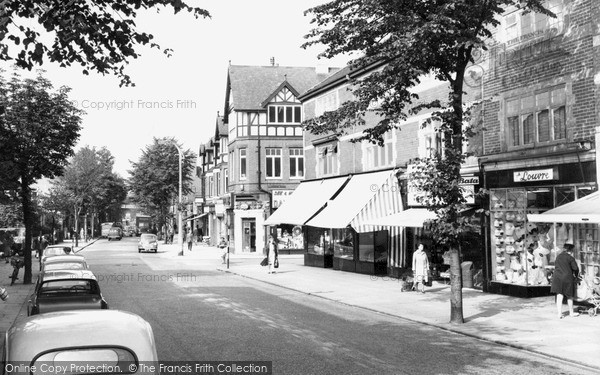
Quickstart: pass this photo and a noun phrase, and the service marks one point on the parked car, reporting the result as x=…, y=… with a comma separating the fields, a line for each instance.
x=66, y=290
x=115, y=233
x=104, y=338
x=55, y=250
x=64, y=262
x=148, y=242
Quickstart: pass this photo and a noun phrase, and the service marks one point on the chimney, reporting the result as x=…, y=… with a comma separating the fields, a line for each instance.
x=272, y=61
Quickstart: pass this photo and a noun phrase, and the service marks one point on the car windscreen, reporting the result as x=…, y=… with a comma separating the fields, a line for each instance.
x=56, y=250
x=64, y=266
x=71, y=286
x=148, y=237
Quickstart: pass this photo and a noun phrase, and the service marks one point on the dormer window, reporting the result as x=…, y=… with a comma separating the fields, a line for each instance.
x=285, y=114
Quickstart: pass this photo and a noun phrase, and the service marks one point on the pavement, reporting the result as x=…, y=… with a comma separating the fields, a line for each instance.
x=527, y=324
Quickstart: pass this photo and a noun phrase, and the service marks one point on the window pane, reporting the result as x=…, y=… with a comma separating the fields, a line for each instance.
x=289, y=114
x=297, y=114
x=300, y=167
x=277, y=167
x=528, y=130
x=544, y=126
x=293, y=167
x=271, y=114
x=269, y=167
x=280, y=114
x=560, y=127
x=390, y=154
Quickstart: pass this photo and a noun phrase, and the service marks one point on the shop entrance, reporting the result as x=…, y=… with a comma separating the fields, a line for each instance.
x=249, y=235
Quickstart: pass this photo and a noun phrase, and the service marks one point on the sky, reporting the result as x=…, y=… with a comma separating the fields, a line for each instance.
x=179, y=96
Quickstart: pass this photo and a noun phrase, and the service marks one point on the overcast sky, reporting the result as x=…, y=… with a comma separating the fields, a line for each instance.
x=190, y=85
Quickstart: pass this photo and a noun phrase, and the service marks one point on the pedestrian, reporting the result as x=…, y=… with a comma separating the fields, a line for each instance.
x=189, y=238
x=195, y=234
x=420, y=267
x=41, y=248
x=566, y=272
x=223, y=246
x=272, y=254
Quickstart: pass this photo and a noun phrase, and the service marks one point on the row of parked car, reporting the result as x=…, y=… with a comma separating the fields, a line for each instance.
x=69, y=324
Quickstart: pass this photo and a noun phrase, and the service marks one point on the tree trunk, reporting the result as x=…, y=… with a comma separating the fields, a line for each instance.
x=456, y=310
x=76, y=228
x=28, y=218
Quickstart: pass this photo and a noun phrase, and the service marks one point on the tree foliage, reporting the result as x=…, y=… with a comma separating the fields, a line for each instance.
x=154, y=179
x=399, y=42
x=98, y=35
x=38, y=130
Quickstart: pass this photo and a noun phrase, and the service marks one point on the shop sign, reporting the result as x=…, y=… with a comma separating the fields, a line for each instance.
x=279, y=196
x=220, y=209
x=467, y=184
x=534, y=175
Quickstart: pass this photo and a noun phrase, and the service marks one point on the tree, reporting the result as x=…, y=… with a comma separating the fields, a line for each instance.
x=400, y=41
x=38, y=130
x=154, y=178
x=98, y=35
x=89, y=185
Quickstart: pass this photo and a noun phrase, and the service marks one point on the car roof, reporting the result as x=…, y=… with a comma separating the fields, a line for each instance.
x=58, y=247
x=67, y=274
x=33, y=335
x=71, y=258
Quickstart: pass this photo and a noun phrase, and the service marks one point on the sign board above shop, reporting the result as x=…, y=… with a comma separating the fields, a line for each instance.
x=535, y=175
x=279, y=196
x=467, y=184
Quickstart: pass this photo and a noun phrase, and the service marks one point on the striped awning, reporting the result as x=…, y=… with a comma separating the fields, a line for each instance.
x=413, y=217
x=308, y=198
x=364, y=197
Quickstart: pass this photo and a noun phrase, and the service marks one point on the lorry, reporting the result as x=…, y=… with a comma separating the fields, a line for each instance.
x=142, y=222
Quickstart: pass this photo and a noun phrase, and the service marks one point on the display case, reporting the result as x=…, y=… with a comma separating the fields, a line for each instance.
x=587, y=250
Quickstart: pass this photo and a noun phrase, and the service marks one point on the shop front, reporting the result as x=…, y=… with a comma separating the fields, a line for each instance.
x=524, y=242
x=305, y=202
x=339, y=234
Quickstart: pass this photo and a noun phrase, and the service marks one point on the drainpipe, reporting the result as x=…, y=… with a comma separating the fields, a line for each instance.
x=260, y=188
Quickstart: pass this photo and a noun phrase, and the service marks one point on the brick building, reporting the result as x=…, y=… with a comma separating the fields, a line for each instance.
x=541, y=77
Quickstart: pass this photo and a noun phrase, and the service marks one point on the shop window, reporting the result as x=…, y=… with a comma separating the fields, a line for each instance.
x=319, y=241
x=537, y=118
x=366, y=247
x=273, y=162
x=524, y=251
x=343, y=243
x=290, y=237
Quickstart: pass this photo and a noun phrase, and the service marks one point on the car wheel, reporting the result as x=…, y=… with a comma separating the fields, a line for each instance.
x=139, y=250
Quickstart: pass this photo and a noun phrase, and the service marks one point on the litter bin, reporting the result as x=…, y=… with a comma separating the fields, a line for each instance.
x=467, y=274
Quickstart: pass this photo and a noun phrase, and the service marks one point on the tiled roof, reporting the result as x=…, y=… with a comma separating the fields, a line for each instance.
x=221, y=129
x=251, y=85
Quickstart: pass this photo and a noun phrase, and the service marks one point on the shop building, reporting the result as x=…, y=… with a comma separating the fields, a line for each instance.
x=214, y=217
x=352, y=184
x=266, y=157
x=539, y=152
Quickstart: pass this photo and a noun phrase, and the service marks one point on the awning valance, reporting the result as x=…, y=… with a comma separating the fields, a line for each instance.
x=584, y=210
x=412, y=217
x=308, y=198
x=365, y=196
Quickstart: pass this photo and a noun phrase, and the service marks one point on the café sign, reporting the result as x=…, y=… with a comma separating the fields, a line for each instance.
x=534, y=175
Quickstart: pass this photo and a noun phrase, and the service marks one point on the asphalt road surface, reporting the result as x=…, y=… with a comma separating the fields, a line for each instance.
x=200, y=314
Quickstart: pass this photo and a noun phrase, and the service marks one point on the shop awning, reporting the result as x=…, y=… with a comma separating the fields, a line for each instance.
x=308, y=198
x=412, y=217
x=365, y=196
x=196, y=217
x=584, y=210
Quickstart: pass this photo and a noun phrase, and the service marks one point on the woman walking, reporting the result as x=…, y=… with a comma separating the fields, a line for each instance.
x=420, y=267
x=272, y=254
x=563, y=279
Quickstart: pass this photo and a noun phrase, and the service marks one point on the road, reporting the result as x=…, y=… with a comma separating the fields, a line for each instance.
x=201, y=314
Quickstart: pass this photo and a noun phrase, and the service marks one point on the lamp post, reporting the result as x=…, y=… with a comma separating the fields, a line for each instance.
x=179, y=218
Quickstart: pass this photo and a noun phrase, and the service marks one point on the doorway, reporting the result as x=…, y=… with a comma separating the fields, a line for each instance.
x=248, y=235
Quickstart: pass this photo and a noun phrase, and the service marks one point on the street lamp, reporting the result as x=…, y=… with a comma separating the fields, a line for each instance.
x=179, y=218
